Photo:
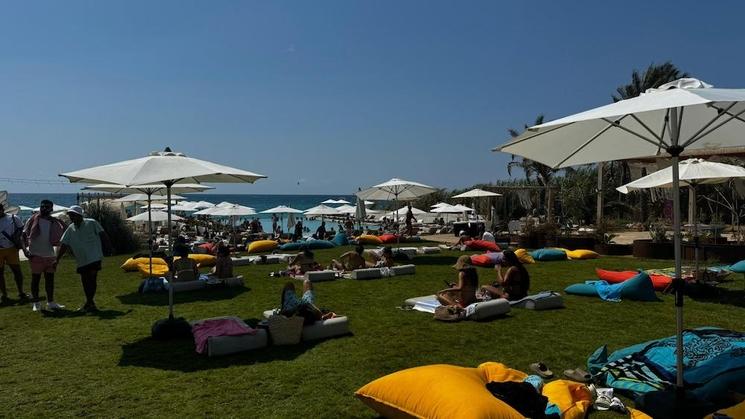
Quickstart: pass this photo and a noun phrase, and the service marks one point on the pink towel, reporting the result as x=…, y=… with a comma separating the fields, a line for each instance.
x=218, y=327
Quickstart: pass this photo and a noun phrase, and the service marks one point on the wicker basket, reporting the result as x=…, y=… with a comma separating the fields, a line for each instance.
x=285, y=330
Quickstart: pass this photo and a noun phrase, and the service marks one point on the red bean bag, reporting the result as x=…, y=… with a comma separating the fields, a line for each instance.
x=482, y=260
x=209, y=247
x=482, y=245
x=389, y=238
x=660, y=282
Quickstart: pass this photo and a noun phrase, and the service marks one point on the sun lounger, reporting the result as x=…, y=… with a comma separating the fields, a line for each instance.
x=367, y=273
x=428, y=250
x=319, y=276
x=226, y=345
x=542, y=301
x=322, y=329
x=404, y=270
x=477, y=311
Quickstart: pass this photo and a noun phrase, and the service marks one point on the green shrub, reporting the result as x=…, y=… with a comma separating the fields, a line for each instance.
x=123, y=239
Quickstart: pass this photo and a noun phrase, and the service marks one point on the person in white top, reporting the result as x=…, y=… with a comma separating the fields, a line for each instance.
x=10, y=226
x=488, y=236
x=41, y=233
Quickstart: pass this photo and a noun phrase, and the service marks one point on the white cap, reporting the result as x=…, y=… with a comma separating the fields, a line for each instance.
x=76, y=210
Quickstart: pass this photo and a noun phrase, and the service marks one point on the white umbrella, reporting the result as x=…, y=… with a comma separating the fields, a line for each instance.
x=396, y=190
x=55, y=208
x=347, y=209
x=330, y=201
x=203, y=204
x=360, y=212
x=343, y=201
x=440, y=204
x=446, y=209
x=155, y=206
x=282, y=209
x=24, y=208
x=135, y=197
x=168, y=168
x=369, y=203
x=680, y=115
x=157, y=216
x=153, y=188
x=693, y=172
x=232, y=211
x=402, y=212
x=321, y=210
x=477, y=193
x=183, y=208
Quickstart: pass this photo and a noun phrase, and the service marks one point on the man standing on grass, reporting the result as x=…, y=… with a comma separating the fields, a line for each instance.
x=86, y=239
x=10, y=229
x=41, y=233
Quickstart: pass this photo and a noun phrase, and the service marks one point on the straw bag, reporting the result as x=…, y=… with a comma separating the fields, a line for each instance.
x=285, y=330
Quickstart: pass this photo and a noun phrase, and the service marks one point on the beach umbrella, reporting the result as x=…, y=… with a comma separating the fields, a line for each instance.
x=139, y=197
x=24, y=208
x=477, y=193
x=330, y=201
x=681, y=115
x=183, y=208
x=446, y=209
x=692, y=172
x=234, y=212
x=282, y=209
x=156, y=206
x=347, y=209
x=290, y=221
x=360, y=212
x=396, y=190
x=55, y=208
x=157, y=216
x=167, y=168
x=402, y=211
x=203, y=204
x=321, y=210
x=343, y=201
x=368, y=203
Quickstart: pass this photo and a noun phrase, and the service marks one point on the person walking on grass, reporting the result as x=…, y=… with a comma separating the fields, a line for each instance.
x=86, y=239
x=41, y=233
x=10, y=230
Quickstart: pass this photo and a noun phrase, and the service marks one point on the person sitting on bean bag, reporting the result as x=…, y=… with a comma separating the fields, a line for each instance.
x=350, y=261
x=380, y=258
x=464, y=293
x=461, y=245
x=512, y=285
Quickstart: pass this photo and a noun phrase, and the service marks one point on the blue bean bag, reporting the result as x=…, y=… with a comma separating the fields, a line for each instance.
x=548, y=254
x=586, y=289
x=738, y=267
x=319, y=244
x=638, y=288
x=340, y=239
x=292, y=246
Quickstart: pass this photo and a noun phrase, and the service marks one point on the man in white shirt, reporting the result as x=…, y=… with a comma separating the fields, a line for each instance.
x=41, y=233
x=9, y=226
x=488, y=236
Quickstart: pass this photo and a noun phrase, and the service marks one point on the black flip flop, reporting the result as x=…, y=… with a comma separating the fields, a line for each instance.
x=541, y=369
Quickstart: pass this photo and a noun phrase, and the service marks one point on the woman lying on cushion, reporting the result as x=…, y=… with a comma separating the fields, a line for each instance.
x=304, y=306
x=350, y=261
x=512, y=285
x=302, y=263
x=464, y=293
x=380, y=258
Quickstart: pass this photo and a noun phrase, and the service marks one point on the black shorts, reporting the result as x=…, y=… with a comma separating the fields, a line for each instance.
x=95, y=266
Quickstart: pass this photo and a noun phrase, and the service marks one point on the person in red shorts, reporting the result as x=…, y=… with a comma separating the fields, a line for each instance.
x=41, y=234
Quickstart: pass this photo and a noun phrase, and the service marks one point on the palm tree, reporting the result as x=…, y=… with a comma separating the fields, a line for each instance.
x=654, y=76
x=535, y=171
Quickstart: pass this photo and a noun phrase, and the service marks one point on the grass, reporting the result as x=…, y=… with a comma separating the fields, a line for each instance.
x=106, y=364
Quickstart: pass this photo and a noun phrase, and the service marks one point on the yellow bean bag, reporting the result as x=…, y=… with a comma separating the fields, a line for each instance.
x=736, y=411
x=130, y=265
x=262, y=246
x=448, y=391
x=369, y=239
x=581, y=254
x=524, y=256
x=158, y=270
x=202, y=259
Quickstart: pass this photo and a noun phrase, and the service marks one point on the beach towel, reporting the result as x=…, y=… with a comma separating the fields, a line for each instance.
x=714, y=365
x=218, y=327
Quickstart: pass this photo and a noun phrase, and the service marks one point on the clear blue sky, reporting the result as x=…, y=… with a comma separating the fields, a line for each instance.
x=333, y=94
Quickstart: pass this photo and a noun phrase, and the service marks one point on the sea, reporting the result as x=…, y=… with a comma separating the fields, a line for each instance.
x=258, y=202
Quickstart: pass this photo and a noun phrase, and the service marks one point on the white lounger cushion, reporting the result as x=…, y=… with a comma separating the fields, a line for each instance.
x=321, y=329
x=368, y=273
x=409, y=252
x=542, y=301
x=242, y=260
x=428, y=250
x=404, y=270
x=188, y=286
x=476, y=311
x=226, y=345
x=318, y=276
x=487, y=309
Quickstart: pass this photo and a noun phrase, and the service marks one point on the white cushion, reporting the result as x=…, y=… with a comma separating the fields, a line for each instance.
x=367, y=273
x=427, y=250
x=487, y=309
x=318, y=276
x=188, y=286
x=226, y=345
x=404, y=270
x=324, y=329
x=242, y=260
x=542, y=301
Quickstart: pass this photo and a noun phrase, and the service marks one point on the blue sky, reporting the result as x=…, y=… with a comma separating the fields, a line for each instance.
x=332, y=95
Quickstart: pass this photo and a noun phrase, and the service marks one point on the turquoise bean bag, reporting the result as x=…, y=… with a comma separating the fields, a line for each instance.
x=545, y=255
x=340, y=239
x=319, y=244
x=738, y=267
x=292, y=246
x=586, y=289
x=638, y=288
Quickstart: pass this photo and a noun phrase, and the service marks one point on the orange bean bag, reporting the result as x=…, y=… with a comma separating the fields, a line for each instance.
x=482, y=260
x=389, y=238
x=659, y=282
x=482, y=245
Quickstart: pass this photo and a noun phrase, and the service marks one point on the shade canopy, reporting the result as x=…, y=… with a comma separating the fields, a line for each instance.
x=203, y=204
x=369, y=202
x=330, y=201
x=683, y=114
x=183, y=208
x=162, y=166
x=446, y=209
x=396, y=189
x=401, y=212
x=228, y=211
x=440, y=204
x=135, y=197
x=477, y=193
x=321, y=210
x=158, y=188
x=156, y=216
x=347, y=209
x=155, y=206
x=24, y=208
x=282, y=209
x=692, y=172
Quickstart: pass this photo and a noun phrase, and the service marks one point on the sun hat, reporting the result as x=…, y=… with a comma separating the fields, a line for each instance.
x=464, y=262
x=75, y=209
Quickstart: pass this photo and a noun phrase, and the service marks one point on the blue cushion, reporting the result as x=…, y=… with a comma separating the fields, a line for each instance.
x=738, y=267
x=292, y=246
x=319, y=244
x=639, y=288
x=340, y=239
x=548, y=254
x=585, y=289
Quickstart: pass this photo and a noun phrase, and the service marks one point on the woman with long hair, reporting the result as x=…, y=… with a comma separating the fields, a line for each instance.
x=513, y=284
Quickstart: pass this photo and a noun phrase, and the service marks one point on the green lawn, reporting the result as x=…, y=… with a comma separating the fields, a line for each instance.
x=106, y=364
